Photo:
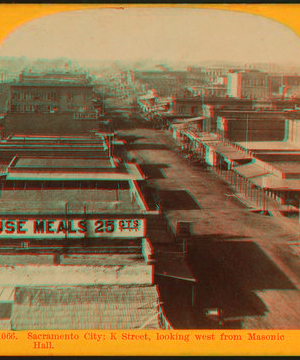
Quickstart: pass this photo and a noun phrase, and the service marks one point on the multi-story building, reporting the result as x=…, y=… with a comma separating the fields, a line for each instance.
x=214, y=90
x=250, y=84
x=57, y=91
x=241, y=125
x=290, y=86
x=214, y=73
x=208, y=107
x=5, y=98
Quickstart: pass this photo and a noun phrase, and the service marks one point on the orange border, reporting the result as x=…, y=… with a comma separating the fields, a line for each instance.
x=14, y=15
x=17, y=343
x=118, y=342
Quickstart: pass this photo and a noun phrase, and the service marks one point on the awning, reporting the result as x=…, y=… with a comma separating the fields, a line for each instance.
x=231, y=152
x=251, y=170
x=275, y=183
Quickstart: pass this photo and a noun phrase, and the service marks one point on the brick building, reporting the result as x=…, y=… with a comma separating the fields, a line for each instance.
x=57, y=91
x=251, y=84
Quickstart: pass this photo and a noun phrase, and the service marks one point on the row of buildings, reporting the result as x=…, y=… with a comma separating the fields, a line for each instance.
x=255, y=149
x=221, y=82
x=74, y=250
x=256, y=89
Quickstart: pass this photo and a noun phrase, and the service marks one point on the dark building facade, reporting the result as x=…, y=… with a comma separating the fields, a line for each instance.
x=52, y=92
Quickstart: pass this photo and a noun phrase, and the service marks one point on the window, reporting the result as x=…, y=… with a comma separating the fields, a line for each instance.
x=38, y=95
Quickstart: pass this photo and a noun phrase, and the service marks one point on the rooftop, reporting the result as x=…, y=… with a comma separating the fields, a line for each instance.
x=124, y=171
x=91, y=145
x=231, y=152
x=183, y=122
x=27, y=162
x=95, y=307
x=44, y=185
x=269, y=145
x=77, y=201
x=251, y=170
x=48, y=83
x=290, y=167
x=274, y=182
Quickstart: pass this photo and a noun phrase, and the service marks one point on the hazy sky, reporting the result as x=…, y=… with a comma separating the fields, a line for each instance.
x=162, y=34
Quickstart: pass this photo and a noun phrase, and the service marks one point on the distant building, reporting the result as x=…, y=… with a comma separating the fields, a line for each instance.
x=248, y=125
x=208, y=107
x=57, y=91
x=212, y=74
x=290, y=86
x=168, y=82
x=250, y=84
x=214, y=90
x=5, y=98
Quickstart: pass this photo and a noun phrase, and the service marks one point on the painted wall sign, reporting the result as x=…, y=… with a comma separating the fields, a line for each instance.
x=62, y=228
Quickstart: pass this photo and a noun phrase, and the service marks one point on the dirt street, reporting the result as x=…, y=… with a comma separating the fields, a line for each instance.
x=242, y=261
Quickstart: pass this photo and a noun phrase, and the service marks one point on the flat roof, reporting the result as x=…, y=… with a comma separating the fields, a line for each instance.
x=268, y=145
x=254, y=112
x=54, y=201
x=251, y=170
x=54, y=138
x=291, y=167
x=58, y=140
x=123, y=172
x=53, y=83
x=53, y=144
x=208, y=137
x=63, y=162
x=231, y=152
x=82, y=307
x=274, y=182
